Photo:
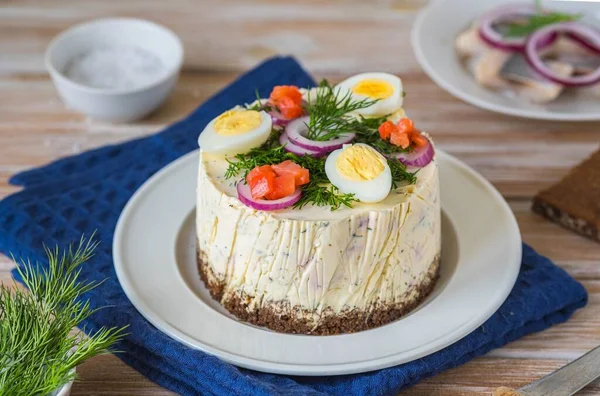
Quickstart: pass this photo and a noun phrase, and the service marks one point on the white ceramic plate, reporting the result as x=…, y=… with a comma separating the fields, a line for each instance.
x=432, y=39
x=155, y=260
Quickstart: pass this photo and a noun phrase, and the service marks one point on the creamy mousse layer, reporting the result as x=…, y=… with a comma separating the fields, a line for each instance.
x=312, y=263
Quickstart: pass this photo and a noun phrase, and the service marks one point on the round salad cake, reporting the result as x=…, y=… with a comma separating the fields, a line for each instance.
x=318, y=211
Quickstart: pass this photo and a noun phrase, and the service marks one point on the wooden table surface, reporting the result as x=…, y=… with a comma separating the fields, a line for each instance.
x=333, y=39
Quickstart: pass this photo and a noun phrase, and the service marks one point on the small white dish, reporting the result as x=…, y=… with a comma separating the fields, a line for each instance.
x=433, y=36
x=154, y=251
x=111, y=104
x=65, y=390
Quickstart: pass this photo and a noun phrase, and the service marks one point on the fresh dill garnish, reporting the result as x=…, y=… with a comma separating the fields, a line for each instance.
x=317, y=191
x=271, y=152
x=320, y=195
x=331, y=115
x=367, y=132
x=537, y=21
x=330, y=112
x=400, y=174
x=38, y=348
x=259, y=104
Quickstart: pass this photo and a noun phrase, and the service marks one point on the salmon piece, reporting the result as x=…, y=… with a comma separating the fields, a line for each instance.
x=283, y=186
x=400, y=139
x=405, y=125
x=288, y=109
x=418, y=139
x=288, y=100
x=286, y=91
x=261, y=181
x=386, y=129
x=300, y=174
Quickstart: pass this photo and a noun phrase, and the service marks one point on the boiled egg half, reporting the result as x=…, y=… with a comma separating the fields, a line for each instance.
x=385, y=88
x=361, y=170
x=236, y=131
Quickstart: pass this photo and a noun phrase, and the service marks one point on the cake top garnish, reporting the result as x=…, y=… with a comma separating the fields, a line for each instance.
x=325, y=146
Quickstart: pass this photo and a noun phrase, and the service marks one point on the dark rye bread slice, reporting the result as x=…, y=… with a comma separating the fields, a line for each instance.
x=574, y=202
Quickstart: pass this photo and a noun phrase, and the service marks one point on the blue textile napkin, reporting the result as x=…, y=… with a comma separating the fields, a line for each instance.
x=87, y=192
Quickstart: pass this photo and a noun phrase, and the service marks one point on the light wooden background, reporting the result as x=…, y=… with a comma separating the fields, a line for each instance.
x=333, y=39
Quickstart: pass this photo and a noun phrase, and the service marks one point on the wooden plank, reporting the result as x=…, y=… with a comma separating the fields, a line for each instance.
x=478, y=377
x=107, y=375
x=231, y=34
x=482, y=376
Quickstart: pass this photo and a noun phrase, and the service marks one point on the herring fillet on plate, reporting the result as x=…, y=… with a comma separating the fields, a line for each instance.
x=532, y=53
x=318, y=211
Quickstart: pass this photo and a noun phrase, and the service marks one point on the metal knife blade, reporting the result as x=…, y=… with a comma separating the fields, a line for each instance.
x=569, y=379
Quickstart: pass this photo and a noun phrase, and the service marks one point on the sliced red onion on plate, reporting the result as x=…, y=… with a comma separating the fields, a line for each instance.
x=292, y=148
x=296, y=132
x=536, y=42
x=419, y=157
x=504, y=14
x=593, y=47
x=245, y=196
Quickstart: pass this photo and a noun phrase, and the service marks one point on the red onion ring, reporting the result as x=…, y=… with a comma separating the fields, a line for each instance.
x=420, y=156
x=505, y=13
x=292, y=148
x=245, y=196
x=536, y=41
x=584, y=43
x=278, y=119
x=297, y=129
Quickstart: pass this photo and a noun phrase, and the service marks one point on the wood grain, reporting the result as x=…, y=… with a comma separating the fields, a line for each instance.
x=231, y=34
x=333, y=39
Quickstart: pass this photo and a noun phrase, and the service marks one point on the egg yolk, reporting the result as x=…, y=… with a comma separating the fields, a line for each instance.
x=374, y=89
x=359, y=163
x=237, y=122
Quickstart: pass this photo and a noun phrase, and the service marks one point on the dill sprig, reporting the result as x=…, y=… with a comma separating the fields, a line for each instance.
x=324, y=195
x=317, y=192
x=271, y=152
x=400, y=174
x=537, y=21
x=330, y=112
x=38, y=348
x=259, y=104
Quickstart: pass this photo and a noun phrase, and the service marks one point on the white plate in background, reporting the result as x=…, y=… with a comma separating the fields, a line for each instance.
x=154, y=252
x=433, y=36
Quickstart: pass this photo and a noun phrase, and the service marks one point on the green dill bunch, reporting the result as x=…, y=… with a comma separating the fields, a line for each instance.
x=39, y=347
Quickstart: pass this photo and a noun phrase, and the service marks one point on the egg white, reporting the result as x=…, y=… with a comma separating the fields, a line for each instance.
x=382, y=106
x=370, y=191
x=212, y=142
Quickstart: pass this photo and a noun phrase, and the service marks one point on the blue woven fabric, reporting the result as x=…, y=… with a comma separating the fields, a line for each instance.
x=84, y=193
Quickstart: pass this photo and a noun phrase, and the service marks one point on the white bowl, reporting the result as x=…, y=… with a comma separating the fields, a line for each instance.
x=116, y=105
x=432, y=39
x=65, y=390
